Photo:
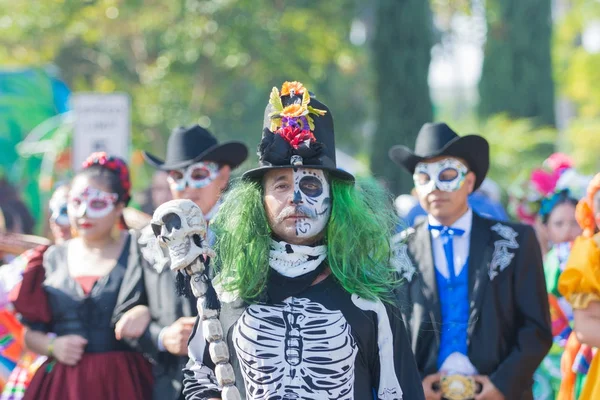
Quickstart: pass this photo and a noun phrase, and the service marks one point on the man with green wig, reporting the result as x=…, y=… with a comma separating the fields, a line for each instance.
x=304, y=277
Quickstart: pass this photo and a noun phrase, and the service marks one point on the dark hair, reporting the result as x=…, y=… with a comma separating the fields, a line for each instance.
x=112, y=180
x=550, y=203
x=108, y=176
x=14, y=211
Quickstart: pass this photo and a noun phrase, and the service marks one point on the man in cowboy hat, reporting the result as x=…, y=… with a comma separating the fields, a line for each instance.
x=198, y=169
x=304, y=282
x=475, y=295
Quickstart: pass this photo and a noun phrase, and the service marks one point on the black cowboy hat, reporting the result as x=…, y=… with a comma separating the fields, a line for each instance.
x=189, y=145
x=438, y=139
x=274, y=152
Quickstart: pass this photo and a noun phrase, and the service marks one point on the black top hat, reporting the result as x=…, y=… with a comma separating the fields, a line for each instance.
x=187, y=146
x=438, y=139
x=297, y=132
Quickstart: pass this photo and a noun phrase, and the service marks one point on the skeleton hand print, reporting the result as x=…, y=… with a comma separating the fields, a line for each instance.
x=313, y=198
x=295, y=350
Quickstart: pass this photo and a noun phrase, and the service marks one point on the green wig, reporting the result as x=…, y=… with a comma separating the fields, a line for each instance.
x=358, y=240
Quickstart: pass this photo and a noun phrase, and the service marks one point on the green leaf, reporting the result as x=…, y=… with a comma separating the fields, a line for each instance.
x=275, y=100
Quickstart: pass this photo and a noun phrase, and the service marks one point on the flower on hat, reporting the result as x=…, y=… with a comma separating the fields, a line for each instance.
x=296, y=136
x=292, y=88
x=294, y=110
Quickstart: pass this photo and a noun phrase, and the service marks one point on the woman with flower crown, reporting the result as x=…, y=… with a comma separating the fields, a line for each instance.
x=560, y=228
x=81, y=291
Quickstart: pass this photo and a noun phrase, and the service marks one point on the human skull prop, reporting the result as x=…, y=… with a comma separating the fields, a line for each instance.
x=179, y=225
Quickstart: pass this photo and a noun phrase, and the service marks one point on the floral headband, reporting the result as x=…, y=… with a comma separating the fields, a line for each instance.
x=528, y=194
x=114, y=164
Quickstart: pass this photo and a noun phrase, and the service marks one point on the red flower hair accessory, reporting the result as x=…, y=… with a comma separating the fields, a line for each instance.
x=115, y=164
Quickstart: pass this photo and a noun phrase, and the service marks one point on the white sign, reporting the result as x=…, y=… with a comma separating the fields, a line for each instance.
x=102, y=123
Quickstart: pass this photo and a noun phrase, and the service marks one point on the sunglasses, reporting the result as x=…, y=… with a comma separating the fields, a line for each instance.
x=195, y=176
x=92, y=202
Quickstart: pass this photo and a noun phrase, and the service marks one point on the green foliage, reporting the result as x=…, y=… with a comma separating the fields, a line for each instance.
x=517, y=69
x=583, y=144
x=576, y=70
x=401, y=56
x=190, y=61
x=515, y=145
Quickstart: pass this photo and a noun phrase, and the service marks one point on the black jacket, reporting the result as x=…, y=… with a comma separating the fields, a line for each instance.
x=509, y=330
x=166, y=307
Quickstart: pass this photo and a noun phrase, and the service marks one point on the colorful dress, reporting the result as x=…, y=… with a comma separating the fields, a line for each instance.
x=50, y=300
x=12, y=350
x=580, y=284
x=548, y=377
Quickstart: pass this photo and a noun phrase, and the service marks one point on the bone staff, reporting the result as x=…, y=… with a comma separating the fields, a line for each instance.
x=213, y=331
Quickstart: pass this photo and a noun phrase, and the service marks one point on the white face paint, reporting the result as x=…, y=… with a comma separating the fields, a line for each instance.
x=313, y=198
x=447, y=175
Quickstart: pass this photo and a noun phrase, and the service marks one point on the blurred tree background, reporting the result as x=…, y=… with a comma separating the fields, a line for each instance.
x=401, y=56
x=383, y=67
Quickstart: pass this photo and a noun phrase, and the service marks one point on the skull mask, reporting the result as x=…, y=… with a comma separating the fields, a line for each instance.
x=179, y=225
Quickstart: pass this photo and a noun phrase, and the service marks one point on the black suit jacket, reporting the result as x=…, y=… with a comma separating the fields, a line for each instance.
x=166, y=307
x=509, y=330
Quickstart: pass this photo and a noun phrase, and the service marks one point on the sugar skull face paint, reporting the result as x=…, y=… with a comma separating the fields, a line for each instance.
x=58, y=209
x=297, y=203
x=91, y=202
x=195, y=176
x=447, y=175
x=313, y=200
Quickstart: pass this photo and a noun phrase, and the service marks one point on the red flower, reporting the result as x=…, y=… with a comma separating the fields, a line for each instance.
x=295, y=137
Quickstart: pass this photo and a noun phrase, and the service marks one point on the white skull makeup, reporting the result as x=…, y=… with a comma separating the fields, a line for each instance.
x=312, y=198
x=195, y=176
x=58, y=209
x=180, y=226
x=91, y=202
x=447, y=175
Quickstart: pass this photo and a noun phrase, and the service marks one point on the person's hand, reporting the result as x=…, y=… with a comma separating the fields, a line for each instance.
x=488, y=390
x=69, y=349
x=428, y=389
x=177, y=334
x=133, y=323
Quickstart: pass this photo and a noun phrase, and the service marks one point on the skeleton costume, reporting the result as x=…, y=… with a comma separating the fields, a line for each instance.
x=476, y=302
x=299, y=340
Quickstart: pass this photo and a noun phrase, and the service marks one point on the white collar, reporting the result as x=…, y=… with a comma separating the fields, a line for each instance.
x=465, y=222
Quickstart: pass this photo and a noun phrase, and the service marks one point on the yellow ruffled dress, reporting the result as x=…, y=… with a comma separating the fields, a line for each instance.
x=579, y=284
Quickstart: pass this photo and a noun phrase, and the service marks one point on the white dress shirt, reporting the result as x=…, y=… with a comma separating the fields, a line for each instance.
x=460, y=244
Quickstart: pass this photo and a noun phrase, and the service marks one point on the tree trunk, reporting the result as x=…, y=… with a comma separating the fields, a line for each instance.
x=517, y=67
x=401, y=54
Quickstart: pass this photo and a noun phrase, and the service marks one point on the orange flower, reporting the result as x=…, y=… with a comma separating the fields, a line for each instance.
x=294, y=110
x=295, y=86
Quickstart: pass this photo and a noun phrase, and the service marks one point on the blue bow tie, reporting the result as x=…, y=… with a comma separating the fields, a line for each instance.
x=447, y=231
x=446, y=234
